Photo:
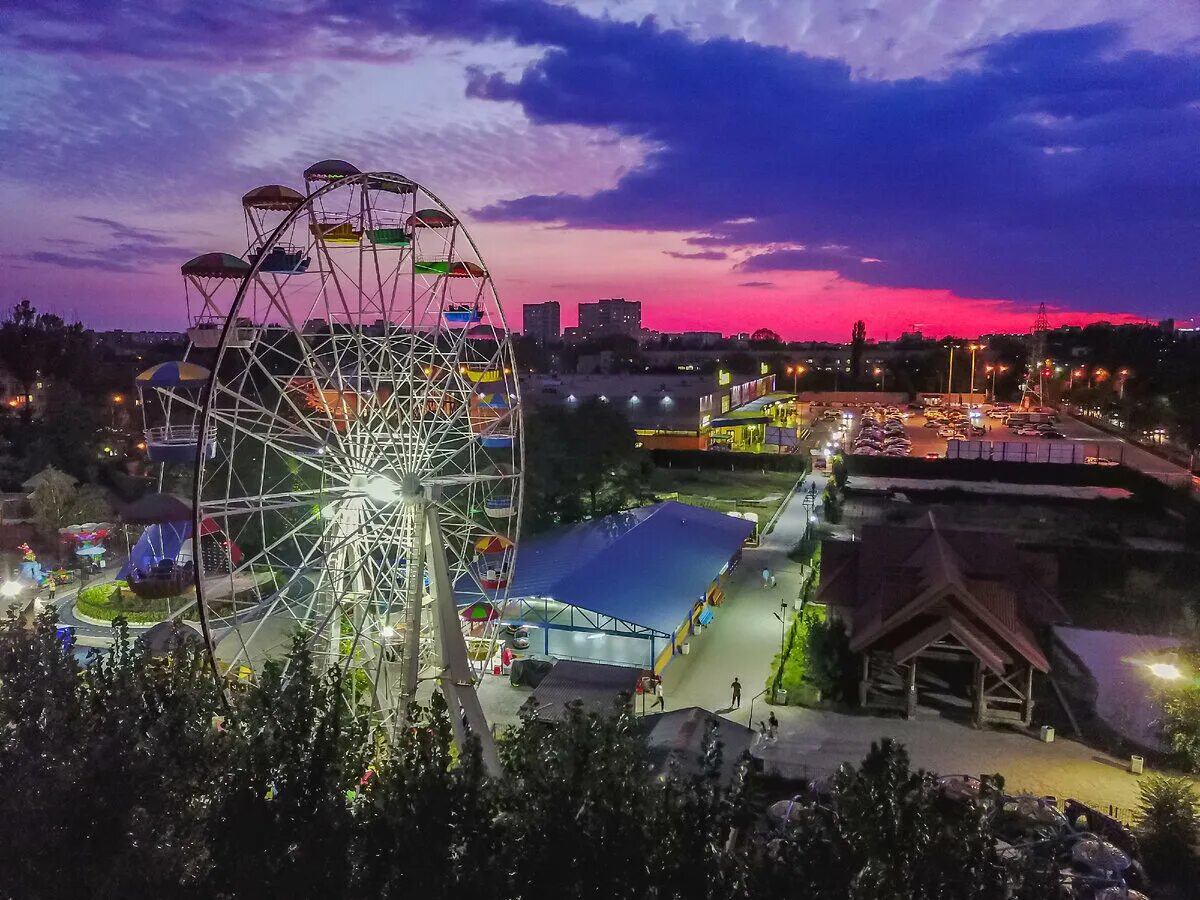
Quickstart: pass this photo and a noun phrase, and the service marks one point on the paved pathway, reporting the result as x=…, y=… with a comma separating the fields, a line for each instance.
x=746, y=635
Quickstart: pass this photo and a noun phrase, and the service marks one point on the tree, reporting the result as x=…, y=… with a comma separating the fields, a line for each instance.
x=1169, y=826
x=858, y=343
x=57, y=502
x=883, y=834
x=33, y=345
x=580, y=462
x=151, y=783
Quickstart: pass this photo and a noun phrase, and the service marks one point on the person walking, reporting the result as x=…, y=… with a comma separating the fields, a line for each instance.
x=660, y=697
x=51, y=588
x=766, y=576
x=736, y=687
x=772, y=726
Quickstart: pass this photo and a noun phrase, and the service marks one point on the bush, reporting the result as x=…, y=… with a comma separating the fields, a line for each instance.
x=1168, y=826
x=114, y=598
x=831, y=665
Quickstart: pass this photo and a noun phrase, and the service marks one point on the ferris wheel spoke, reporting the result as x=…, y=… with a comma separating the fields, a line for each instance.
x=367, y=378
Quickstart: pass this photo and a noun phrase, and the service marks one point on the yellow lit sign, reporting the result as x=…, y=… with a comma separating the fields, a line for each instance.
x=763, y=368
x=723, y=377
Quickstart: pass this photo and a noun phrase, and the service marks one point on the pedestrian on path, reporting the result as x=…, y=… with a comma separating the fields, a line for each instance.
x=660, y=697
x=772, y=726
x=51, y=588
x=773, y=581
x=766, y=575
x=736, y=687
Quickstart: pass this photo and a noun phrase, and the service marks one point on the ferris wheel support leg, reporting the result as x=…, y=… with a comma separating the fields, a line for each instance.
x=457, y=680
x=414, y=588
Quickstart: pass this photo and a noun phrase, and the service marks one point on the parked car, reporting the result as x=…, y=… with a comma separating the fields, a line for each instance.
x=1100, y=461
x=1054, y=435
x=932, y=455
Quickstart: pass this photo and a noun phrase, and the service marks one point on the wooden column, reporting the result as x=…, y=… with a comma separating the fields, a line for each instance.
x=864, y=684
x=1027, y=700
x=980, y=705
x=911, y=707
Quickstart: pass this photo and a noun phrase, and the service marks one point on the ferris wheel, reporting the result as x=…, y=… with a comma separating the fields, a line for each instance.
x=357, y=446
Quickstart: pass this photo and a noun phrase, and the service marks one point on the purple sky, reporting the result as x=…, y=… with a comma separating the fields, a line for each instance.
x=731, y=163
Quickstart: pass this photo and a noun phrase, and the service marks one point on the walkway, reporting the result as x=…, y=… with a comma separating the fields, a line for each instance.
x=745, y=633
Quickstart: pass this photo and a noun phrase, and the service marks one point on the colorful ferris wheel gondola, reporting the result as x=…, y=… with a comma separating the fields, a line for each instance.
x=460, y=315
x=216, y=277
x=264, y=208
x=171, y=396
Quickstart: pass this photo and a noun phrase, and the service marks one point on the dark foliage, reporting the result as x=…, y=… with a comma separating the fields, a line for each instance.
x=131, y=778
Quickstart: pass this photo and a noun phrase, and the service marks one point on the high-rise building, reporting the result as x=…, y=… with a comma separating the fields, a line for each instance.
x=542, y=322
x=605, y=317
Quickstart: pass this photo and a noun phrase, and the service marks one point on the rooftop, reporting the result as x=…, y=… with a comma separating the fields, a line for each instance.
x=648, y=566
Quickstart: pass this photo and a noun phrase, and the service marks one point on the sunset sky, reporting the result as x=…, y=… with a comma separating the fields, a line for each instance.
x=795, y=164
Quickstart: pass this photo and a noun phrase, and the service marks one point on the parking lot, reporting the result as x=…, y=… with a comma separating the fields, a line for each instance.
x=926, y=440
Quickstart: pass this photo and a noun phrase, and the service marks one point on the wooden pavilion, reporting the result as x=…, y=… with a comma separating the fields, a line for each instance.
x=925, y=596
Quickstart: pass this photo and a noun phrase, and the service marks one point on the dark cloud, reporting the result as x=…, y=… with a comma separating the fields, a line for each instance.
x=1052, y=165
x=118, y=248
x=756, y=284
x=699, y=254
x=1055, y=166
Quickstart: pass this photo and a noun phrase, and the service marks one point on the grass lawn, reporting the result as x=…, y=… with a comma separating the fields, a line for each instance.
x=760, y=492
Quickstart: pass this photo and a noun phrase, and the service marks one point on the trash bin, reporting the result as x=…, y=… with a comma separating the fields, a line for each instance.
x=780, y=697
x=1047, y=734
x=1135, y=764
x=685, y=648
x=699, y=629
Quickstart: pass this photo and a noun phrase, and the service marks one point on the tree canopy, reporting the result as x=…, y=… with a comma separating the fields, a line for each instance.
x=580, y=462
x=132, y=778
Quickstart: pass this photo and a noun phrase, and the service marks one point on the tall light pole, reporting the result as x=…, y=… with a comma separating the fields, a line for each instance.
x=1124, y=373
x=881, y=374
x=950, y=375
x=1075, y=373
x=795, y=371
x=974, y=348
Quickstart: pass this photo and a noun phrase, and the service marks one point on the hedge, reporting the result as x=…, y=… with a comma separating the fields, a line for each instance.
x=96, y=602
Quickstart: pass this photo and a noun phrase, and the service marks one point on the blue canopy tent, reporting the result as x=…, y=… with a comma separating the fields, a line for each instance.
x=620, y=588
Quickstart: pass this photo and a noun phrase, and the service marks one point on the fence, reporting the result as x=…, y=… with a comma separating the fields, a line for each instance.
x=708, y=459
x=1057, y=452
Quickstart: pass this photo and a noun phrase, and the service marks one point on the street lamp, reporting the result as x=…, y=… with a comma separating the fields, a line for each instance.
x=950, y=375
x=1165, y=671
x=1075, y=373
x=973, y=348
x=795, y=371
x=881, y=374
x=1124, y=373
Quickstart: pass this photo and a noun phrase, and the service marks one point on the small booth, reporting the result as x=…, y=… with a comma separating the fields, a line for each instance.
x=171, y=396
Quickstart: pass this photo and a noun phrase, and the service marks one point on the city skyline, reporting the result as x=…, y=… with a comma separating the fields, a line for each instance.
x=783, y=166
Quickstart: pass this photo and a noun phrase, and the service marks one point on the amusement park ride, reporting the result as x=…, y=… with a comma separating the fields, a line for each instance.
x=349, y=414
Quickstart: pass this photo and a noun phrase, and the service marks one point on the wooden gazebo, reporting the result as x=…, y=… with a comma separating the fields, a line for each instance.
x=912, y=595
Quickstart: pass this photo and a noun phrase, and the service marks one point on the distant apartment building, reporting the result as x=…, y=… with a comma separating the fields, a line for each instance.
x=542, y=322
x=609, y=317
